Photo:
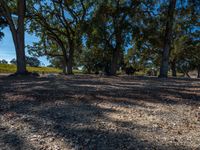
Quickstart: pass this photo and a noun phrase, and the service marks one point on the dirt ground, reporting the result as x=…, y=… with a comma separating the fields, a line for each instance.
x=99, y=113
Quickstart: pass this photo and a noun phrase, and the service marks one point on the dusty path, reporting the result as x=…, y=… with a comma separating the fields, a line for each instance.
x=87, y=112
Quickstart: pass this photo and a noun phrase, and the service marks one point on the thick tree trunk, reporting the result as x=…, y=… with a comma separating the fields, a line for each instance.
x=65, y=65
x=89, y=70
x=65, y=58
x=20, y=45
x=198, y=70
x=70, y=57
x=173, y=68
x=167, y=41
x=17, y=34
x=116, y=52
x=114, y=62
x=64, y=70
x=69, y=67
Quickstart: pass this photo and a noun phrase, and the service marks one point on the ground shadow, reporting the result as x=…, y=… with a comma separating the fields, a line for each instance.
x=69, y=110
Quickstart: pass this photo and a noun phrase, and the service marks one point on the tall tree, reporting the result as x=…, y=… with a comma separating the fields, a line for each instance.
x=185, y=35
x=110, y=29
x=60, y=21
x=167, y=40
x=16, y=30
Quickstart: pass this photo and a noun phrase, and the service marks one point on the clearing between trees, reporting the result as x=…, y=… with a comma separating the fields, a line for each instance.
x=90, y=112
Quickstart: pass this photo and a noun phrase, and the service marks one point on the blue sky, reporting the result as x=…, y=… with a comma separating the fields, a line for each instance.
x=7, y=49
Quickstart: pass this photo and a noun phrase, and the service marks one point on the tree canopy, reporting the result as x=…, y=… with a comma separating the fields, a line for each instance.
x=108, y=35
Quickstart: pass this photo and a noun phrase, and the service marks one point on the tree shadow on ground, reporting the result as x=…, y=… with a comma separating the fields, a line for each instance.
x=12, y=140
x=69, y=110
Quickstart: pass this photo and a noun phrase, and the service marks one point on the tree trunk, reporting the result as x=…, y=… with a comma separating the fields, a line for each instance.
x=89, y=70
x=173, y=68
x=20, y=45
x=65, y=65
x=167, y=41
x=186, y=73
x=198, y=70
x=70, y=57
x=17, y=34
x=69, y=67
x=114, y=62
x=116, y=52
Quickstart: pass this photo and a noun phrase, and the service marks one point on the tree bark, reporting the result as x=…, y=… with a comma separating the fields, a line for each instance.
x=116, y=52
x=114, y=61
x=70, y=57
x=69, y=66
x=186, y=73
x=64, y=65
x=20, y=52
x=198, y=70
x=167, y=41
x=173, y=68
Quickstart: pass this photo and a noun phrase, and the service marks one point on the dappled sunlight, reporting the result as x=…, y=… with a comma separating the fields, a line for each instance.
x=89, y=113
x=36, y=136
x=17, y=97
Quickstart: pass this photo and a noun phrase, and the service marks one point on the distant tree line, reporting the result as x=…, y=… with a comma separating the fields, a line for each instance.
x=3, y=61
x=108, y=35
x=30, y=61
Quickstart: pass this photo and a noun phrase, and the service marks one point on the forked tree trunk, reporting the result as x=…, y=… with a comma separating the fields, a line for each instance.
x=17, y=33
x=167, y=41
x=67, y=57
x=186, y=73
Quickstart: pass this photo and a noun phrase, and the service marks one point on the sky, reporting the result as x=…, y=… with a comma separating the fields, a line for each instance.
x=7, y=49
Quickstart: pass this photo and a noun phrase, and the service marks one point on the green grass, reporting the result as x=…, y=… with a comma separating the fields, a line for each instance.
x=7, y=68
x=77, y=72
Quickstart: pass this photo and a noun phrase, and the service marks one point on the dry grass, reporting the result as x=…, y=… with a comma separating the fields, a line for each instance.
x=8, y=68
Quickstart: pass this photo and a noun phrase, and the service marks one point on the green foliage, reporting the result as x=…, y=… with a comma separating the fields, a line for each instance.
x=97, y=34
x=3, y=24
x=3, y=61
x=32, y=61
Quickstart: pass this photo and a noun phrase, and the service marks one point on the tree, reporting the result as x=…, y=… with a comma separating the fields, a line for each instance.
x=13, y=61
x=93, y=60
x=110, y=27
x=3, y=24
x=16, y=30
x=32, y=61
x=59, y=22
x=167, y=40
x=185, y=38
x=3, y=61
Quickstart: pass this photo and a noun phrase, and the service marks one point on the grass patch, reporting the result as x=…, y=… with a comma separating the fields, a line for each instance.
x=8, y=68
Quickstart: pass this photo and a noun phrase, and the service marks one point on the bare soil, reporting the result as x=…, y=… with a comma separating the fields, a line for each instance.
x=99, y=113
